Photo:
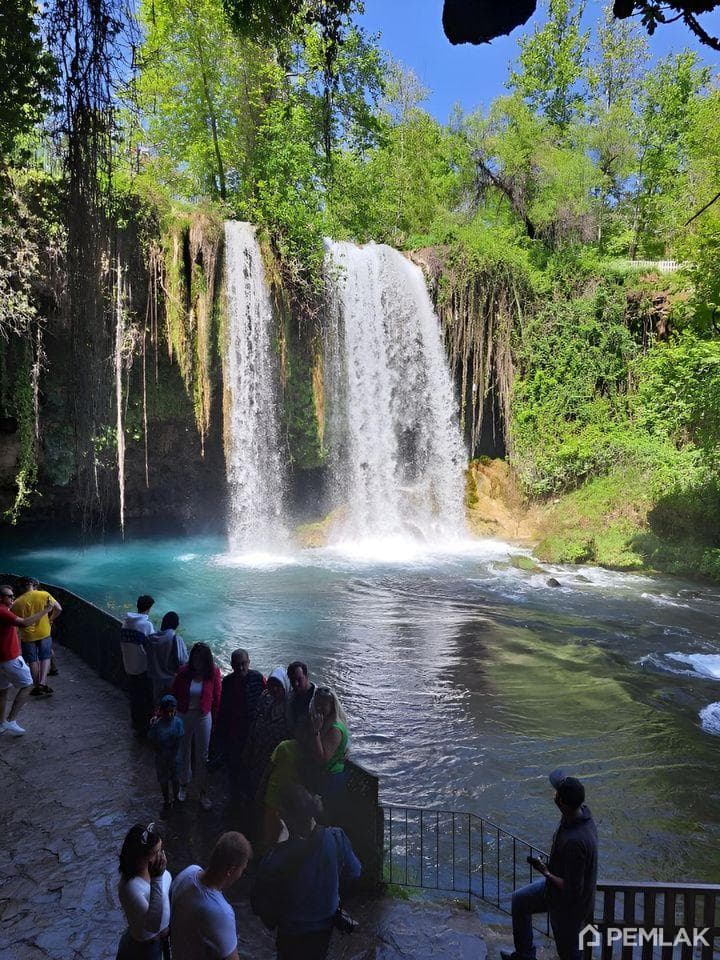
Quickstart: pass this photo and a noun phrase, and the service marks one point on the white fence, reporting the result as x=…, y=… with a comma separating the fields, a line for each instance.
x=661, y=266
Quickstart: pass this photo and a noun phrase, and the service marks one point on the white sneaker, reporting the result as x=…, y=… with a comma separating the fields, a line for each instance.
x=13, y=728
x=182, y=794
x=205, y=801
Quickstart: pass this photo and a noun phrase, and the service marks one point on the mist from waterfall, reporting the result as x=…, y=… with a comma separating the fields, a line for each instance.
x=254, y=462
x=397, y=457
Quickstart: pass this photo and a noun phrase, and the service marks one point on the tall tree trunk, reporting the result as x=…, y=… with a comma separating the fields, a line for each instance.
x=209, y=103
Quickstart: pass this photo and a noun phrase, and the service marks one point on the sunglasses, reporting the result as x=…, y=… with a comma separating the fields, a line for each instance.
x=147, y=833
x=10, y=596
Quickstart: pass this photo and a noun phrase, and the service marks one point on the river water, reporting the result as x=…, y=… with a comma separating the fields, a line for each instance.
x=465, y=679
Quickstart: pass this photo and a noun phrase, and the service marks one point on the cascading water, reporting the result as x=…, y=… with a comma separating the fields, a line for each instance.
x=397, y=456
x=252, y=436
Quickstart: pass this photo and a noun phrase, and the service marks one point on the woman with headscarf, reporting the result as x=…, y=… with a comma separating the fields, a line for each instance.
x=144, y=891
x=329, y=747
x=270, y=726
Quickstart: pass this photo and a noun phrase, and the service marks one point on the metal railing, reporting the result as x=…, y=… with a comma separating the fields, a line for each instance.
x=464, y=855
x=455, y=853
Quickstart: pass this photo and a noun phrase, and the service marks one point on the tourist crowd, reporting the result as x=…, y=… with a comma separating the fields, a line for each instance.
x=268, y=733
x=283, y=741
x=296, y=891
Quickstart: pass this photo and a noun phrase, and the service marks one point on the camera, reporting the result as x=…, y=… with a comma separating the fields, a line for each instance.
x=537, y=863
x=343, y=922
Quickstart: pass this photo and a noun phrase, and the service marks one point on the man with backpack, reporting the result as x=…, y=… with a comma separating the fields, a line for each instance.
x=299, y=881
x=165, y=652
x=134, y=631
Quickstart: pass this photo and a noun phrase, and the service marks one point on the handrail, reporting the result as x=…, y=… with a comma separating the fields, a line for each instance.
x=451, y=852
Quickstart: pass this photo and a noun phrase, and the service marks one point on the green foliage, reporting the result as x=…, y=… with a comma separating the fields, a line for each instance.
x=571, y=391
x=285, y=195
x=670, y=95
x=551, y=65
x=27, y=74
x=23, y=408
x=678, y=393
x=30, y=234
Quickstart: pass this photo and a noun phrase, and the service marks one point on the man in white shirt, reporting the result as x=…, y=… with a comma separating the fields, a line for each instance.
x=202, y=922
x=134, y=630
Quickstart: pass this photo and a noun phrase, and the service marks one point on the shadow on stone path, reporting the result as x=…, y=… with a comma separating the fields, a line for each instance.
x=72, y=787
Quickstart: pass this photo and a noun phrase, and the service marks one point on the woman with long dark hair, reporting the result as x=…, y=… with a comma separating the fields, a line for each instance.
x=144, y=891
x=197, y=688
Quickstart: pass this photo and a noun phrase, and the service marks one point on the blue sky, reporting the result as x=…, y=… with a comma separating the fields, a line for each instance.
x=411, y=30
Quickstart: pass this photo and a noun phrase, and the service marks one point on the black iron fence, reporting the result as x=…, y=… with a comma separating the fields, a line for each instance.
x=468, y=857
x=460, y=854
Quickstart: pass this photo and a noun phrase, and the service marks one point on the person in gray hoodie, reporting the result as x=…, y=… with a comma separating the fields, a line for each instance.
x=134, y=630
x=165, y=652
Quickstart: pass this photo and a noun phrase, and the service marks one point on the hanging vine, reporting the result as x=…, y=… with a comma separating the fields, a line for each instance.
x=185, y=271
x=25, y=407
x=90, y=41
x=479, y=301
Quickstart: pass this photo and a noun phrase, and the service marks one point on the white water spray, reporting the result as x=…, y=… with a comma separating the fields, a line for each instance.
x=254, y=465
x=396, y=450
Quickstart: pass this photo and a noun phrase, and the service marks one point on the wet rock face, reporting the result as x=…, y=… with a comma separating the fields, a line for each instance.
x=480, y=21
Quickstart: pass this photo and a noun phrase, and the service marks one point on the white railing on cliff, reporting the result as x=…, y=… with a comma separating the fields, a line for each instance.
x=662, y=266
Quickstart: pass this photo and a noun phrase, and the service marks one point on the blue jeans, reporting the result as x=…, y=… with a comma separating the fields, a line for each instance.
x=533, y=899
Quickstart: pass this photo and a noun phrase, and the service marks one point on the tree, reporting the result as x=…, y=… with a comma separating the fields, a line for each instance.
x=547, y=184
x=616, y=81
x=27, y=72
x=552, y=64
x=654, y=12
x=198, y=91
x=669, y=94
x=411, y=184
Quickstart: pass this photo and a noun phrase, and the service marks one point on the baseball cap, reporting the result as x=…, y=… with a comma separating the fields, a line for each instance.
x=569, y=789
x=168, y=701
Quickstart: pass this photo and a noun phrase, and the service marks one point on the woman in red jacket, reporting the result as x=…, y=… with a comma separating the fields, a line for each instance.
x=197, y=687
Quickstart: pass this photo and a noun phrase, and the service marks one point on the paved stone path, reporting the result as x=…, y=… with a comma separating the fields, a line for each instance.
x=72, y=787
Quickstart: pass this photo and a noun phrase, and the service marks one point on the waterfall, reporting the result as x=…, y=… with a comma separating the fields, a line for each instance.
x=396, y=451
x=252, y=434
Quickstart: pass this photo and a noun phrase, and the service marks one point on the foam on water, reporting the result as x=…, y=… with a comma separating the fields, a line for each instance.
x=710, y=718
x=704, y=664
x=257, y=560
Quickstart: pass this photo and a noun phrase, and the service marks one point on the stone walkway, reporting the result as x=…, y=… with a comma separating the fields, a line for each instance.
x=72, y=787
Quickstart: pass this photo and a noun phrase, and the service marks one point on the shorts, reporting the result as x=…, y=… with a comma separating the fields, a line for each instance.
x=34, y=650
x=15, y=673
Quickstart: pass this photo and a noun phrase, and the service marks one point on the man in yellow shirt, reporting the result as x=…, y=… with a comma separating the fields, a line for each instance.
x=36, y=640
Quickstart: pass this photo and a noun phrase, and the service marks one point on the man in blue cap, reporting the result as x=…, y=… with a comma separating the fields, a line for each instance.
x=567, y=888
